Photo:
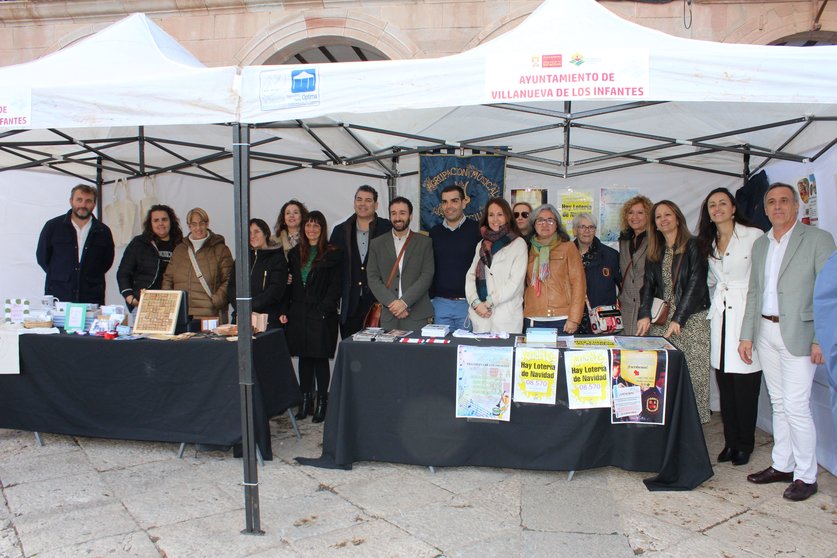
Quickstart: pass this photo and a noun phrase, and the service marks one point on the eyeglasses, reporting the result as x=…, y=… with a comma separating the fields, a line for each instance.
x=586, y=227
x=197, y=224
x=546, y=221
x=519, y=214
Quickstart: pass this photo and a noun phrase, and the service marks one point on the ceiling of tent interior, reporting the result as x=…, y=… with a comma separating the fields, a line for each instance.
x=559, y=140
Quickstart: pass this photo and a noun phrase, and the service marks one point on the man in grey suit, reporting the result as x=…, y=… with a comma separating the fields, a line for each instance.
x=779, y=319
x=406, y=304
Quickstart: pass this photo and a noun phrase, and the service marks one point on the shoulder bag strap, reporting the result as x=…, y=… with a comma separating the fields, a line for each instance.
x=398, y=259
x=198, y=272
x=625, y=277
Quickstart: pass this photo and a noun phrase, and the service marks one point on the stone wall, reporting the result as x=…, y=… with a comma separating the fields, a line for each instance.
x=229, y=32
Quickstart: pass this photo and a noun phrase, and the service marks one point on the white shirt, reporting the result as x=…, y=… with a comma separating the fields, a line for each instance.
x=81, y=235
x=399, y=243
x=775, y=255
x=459, y=224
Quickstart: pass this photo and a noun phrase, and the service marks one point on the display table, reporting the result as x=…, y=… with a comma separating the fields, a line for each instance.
x=166, y=391
x=395, y=402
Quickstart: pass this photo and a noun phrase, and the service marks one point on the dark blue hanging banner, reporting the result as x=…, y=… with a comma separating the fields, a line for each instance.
x=481, y=176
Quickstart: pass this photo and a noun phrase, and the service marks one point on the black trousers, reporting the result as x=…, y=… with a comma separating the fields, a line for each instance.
x=354, y=321
x=311, y=368
x=739, y=403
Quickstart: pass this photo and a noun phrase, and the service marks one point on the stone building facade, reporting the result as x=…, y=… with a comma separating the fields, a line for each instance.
x=232, y=32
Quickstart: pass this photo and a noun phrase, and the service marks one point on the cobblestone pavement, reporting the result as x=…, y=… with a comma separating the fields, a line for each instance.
x=91, y=497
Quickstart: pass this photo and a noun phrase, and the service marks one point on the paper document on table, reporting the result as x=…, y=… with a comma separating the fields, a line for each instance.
x=9, y=351
x=465, y=334
x=535, y=372
x=484, y=382
x=588, y=379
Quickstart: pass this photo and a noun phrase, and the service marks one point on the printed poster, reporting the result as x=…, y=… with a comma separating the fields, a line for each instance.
x=535, y=373
x=484, y=382
x=610, y=211
x=588, y=379
x=638, y=384
x=573, y=203
x=597, y=342
x=807, y=187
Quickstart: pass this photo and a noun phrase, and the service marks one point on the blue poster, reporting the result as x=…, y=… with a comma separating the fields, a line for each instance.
x=481, y=176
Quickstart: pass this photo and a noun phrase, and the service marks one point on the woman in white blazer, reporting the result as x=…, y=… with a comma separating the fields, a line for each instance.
x=727, y=242
x=495, y=281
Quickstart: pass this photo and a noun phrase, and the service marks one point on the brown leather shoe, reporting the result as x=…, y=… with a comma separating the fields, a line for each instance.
x=769, y=475
x=800, y=490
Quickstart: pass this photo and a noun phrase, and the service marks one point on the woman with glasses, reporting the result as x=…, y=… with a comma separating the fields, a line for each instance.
x=521, y=212
x=601, y=267
x=201, y=266
x=633, y=245
x=556, y=286
x=494, y=282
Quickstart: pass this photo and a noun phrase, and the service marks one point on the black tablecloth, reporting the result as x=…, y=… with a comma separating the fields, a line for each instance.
x=396, y=402
x=167, y=391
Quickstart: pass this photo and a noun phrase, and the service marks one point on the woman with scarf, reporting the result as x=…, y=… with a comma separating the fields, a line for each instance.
x=555, y=290
x=494, y=283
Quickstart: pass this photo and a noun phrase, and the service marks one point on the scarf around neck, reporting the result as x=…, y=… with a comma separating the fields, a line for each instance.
x=492, y=242
x=540, y=267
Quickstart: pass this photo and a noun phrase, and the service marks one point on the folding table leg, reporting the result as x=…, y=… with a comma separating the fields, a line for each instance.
x=259, y=455
x=293, y=424
x=180, y=451
x=570, y=475
x=38, y=439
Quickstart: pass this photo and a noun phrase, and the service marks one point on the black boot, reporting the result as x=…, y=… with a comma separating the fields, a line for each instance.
x=322, y=404
x=307, y=406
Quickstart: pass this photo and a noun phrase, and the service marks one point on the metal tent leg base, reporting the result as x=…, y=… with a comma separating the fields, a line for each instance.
x=570, y=475
x=38, y=439
x=181, y=450
x=293, y=424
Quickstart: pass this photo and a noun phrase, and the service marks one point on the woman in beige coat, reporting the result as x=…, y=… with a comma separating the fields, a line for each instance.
x=214, y=262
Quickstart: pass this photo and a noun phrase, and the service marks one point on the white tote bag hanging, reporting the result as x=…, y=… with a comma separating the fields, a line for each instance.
x=149, y=187
x=121, y=215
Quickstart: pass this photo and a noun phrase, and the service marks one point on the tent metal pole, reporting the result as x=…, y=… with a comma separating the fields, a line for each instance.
x=568, y=110
x=99, y=182
x=241, y=154
x=392, y=186
x=80, y=143
x=141, y=145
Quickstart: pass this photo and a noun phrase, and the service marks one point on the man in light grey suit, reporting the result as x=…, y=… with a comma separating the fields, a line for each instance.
x=779, y=319
x=406, y=304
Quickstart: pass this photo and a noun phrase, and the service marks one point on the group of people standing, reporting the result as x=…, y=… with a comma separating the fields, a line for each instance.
x=740, y=301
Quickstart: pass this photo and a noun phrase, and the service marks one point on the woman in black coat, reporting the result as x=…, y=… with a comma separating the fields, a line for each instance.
x=147, y=255
x=268, y=275
x=316, y=269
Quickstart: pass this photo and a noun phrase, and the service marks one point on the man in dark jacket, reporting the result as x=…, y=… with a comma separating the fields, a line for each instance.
x=76, y=250
x=354, y=235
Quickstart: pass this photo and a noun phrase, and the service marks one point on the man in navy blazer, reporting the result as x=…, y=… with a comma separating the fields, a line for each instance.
x=406, y=303
x=76, y=250
x=779, y=319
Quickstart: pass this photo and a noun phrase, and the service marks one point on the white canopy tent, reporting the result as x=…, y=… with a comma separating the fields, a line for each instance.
x=674, y=117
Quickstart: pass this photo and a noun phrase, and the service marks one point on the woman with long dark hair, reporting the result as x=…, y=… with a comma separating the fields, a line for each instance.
x=675, y=271
x=268, y=274
x=726, y=241
x=633, y=245
x=494, y=282
x=148, y=254
x=316, y=267
x=288, y=226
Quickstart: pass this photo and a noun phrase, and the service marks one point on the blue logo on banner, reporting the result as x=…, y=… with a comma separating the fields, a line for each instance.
x=304, y=81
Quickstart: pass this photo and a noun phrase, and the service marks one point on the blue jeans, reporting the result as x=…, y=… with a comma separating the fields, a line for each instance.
x=450, y=312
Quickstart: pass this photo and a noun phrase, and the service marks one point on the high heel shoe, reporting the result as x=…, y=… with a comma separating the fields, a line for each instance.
x=726, y=455
x=307, y=406
x=322, y=405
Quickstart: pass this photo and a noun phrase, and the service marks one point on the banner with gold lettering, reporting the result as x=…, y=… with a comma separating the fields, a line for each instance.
x=535, y=374
x=588, y=378
x=481, y=177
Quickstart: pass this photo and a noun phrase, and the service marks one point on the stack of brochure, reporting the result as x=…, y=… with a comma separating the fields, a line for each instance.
x=541, y=335
x=435, y=330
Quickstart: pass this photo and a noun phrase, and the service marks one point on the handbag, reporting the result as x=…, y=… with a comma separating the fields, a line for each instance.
x=660, y=307
x=373, y=315
x=604, y=319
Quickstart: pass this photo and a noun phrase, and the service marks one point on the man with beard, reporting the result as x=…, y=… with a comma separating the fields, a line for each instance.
x=353, y=236
x=454, y=241
x=401, y=283
x=76, y=250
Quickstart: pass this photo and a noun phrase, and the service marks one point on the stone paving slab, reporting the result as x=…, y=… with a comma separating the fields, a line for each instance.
x=91, y=497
